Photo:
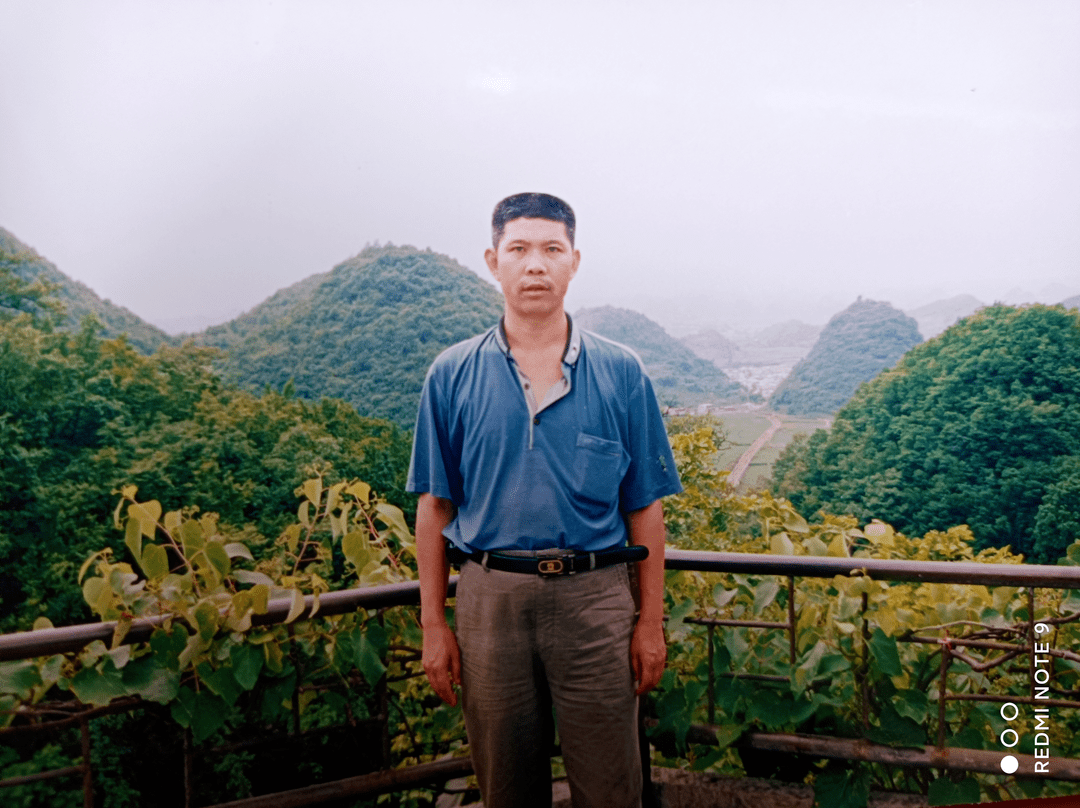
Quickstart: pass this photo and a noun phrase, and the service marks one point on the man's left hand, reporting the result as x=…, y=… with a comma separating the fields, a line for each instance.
x=648, y=653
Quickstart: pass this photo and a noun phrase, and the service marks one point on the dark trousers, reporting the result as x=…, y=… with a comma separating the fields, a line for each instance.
x=528, y=644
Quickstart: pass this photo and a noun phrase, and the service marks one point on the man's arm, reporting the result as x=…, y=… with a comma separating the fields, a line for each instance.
x=441, y=657
x=648, y=648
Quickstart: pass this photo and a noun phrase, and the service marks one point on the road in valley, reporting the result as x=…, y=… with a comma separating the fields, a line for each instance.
x=743, y=463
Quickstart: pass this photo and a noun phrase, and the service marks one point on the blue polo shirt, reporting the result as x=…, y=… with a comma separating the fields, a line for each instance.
x=529, y=475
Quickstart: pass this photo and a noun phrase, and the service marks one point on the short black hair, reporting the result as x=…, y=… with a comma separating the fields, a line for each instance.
x=531, y=206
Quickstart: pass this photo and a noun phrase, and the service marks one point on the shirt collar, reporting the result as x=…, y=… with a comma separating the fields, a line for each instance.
x=573, y=341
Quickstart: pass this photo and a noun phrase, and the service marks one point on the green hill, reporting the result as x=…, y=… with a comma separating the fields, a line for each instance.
x=78, y=299
x=979, y=426
x=854, y=347
x=364, y=332
x=680, y=377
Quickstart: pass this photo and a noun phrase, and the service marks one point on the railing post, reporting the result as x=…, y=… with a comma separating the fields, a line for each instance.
x=946, y=660
x=712, y=695
x=864, y=673
x=87, y=769
x=188, y=766
x=791, y=620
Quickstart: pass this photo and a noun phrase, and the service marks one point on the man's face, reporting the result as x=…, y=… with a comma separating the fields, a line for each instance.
x=533, y=263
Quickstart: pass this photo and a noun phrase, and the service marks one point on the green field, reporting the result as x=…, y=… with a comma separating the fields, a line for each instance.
x=743, y=428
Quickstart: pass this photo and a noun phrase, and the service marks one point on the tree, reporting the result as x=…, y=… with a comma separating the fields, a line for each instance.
x=974, y=427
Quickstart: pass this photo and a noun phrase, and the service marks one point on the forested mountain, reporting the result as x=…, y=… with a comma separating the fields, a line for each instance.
x=364, y=332
x=1071, y=302
x=712, y=346
x=979, y=426
x=679, y=377
x=79, y=300
x=81, y=416
x=855, y=345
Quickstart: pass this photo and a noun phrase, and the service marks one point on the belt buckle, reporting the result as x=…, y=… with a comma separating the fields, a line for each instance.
x=551, y=562
x=549, y=566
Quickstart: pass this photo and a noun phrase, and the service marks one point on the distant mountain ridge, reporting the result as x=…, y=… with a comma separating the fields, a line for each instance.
x=857, y=344
x=933, y=318
x=366, y=331
x=79, y=300
x=679, y=377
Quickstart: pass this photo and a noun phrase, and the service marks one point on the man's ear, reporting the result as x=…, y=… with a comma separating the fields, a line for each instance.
x=491, y=258
x=577, y=260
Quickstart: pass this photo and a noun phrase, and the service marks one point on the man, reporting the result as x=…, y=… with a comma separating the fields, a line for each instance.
x=539, y=454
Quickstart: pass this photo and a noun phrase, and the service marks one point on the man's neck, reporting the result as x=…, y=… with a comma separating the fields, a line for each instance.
x=535, y=334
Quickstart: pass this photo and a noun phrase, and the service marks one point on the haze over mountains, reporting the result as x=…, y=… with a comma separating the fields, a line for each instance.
x=367, y=330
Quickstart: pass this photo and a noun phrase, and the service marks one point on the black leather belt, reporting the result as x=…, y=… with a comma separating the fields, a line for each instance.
x=549, y=562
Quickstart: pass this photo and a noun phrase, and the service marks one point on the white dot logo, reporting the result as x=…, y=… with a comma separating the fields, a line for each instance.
x=1009, y=764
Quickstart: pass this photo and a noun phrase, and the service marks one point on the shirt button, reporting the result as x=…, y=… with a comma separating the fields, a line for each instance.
x=536, y=421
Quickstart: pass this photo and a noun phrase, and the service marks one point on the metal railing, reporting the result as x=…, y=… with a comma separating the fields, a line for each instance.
x=27, y=645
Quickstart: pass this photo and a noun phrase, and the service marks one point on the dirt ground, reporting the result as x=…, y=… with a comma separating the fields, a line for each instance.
x=680, y=789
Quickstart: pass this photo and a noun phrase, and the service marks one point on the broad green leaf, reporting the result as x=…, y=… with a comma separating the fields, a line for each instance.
x=912, y=704
x=98, y=687
x=735, y=645
x=208, y=619
x=42, y=623
x=260, y=597
x=944, y=791
x=250, y=577
x=885, y=652
x=19, y=678
x=815, y=546
x=237, y=549
x=392, y=516
x=369, y=661
x=147, y=515
x=313, y=490
x=221, y=682
x=133, y=536
x=173, y=520
x=722, y=597
x=274, y=656
x=842, y=788
x=167, y=645
x=794, y=522
x=297, y=607
x=155, y=562
x=194, y=646
x=145, y=678
x=215, y=551
x=303, y=515
x=360, y=490
x=780, y=544
x=838, y=547
x=356, y=549
x=192, y=537
x=773, y=711
x=203, y=712
x=247, y=663
x=896, y=730
x=764, y=594
x=97, y=595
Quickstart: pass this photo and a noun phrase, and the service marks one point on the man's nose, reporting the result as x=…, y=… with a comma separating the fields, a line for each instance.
x=535, y=262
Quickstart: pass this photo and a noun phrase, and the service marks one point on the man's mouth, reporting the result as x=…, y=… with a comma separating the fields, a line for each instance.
x=536, y=287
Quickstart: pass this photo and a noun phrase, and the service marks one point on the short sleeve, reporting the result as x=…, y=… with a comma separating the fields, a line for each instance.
x=432, y=468
x=652, y=473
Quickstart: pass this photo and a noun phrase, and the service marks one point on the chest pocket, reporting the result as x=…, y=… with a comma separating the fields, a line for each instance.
x=599, y=466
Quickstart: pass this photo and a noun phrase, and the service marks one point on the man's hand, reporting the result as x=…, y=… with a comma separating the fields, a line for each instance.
x=442, y=661
x=648, y=653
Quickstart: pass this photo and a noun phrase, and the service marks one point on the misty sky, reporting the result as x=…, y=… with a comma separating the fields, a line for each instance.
x=730, y=163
